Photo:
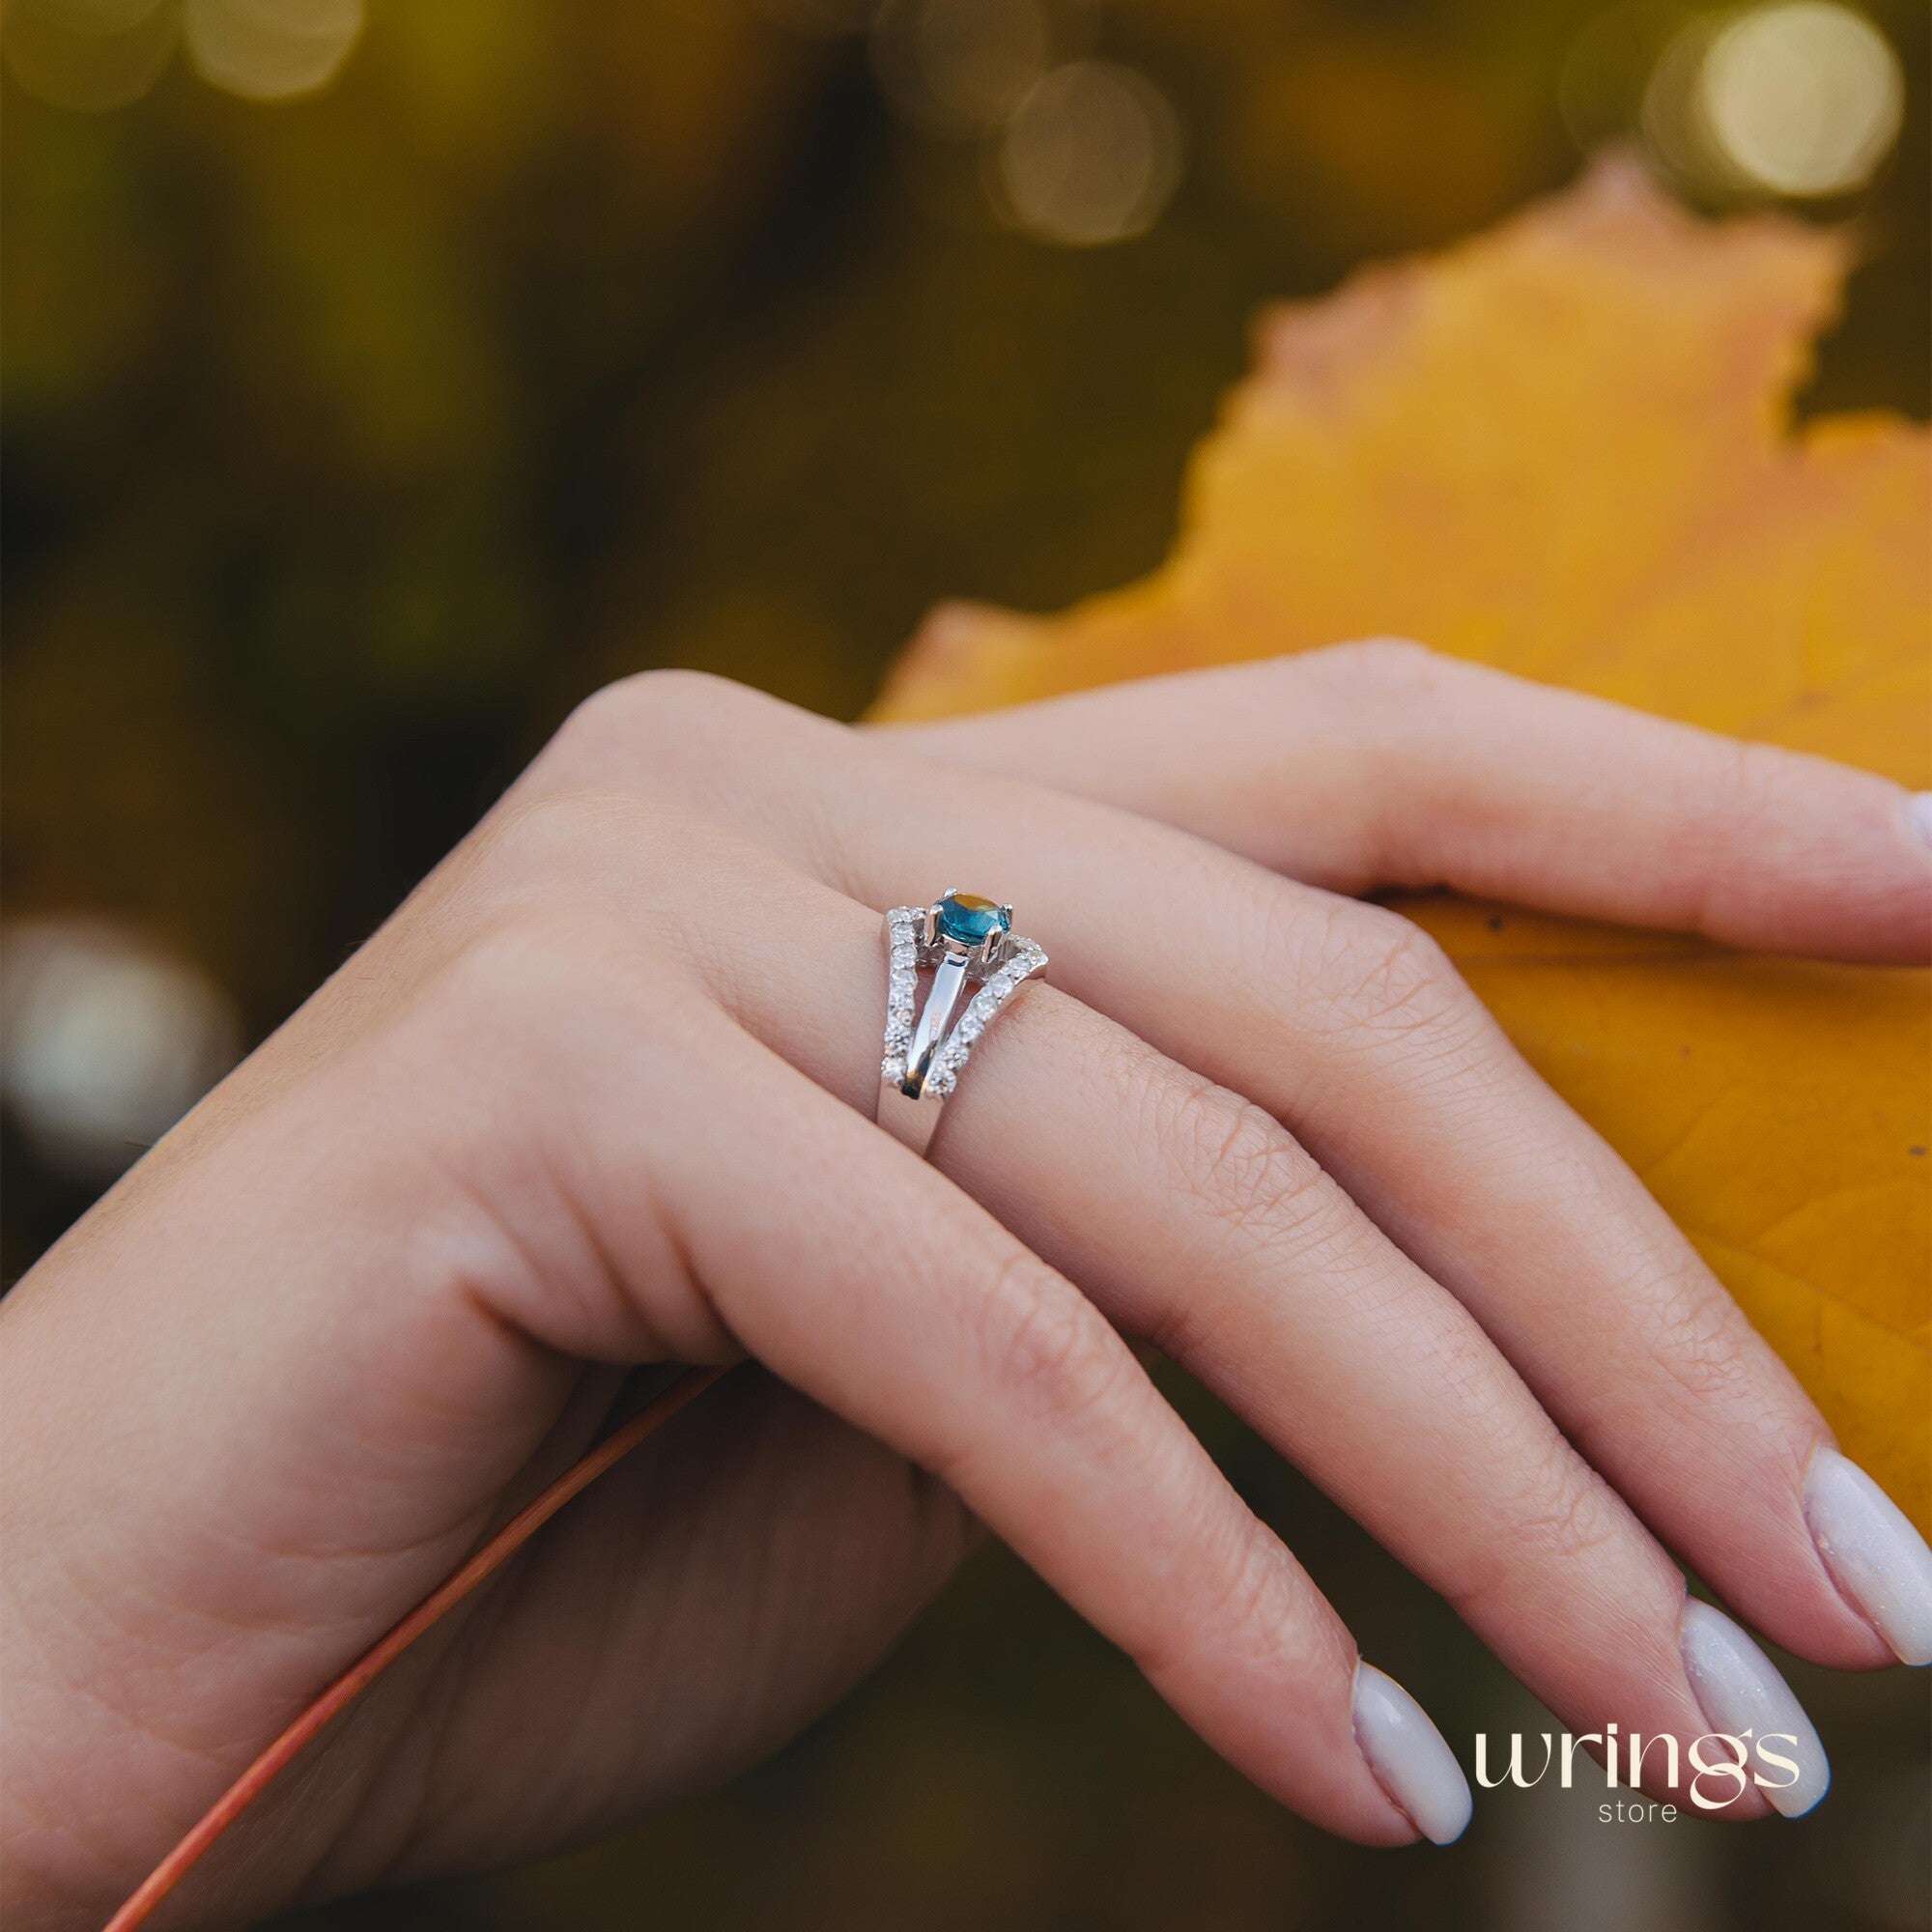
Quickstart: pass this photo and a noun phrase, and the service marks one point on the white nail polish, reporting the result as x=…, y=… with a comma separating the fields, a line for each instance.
x=1409, y=1757
x=1741, y=1691
x=1919, y=814
x=1873, y=1552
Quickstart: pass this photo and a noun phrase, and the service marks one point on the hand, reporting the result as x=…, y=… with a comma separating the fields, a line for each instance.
x=598, y=1096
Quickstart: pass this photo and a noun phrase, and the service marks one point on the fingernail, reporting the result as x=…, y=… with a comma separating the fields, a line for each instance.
x=1873, y=1552
x=1741, y=1691
x=1409, y=1757
x=1919, y=814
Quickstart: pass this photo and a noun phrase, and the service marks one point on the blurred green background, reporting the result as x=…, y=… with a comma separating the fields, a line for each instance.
x=379, y=382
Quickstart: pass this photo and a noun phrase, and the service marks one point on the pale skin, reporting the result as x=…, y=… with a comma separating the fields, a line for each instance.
x=598, y=1096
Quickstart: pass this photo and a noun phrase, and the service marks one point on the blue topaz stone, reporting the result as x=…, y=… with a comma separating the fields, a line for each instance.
x=968, y=920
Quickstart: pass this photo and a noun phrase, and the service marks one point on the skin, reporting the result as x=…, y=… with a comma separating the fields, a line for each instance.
x=598, y=1096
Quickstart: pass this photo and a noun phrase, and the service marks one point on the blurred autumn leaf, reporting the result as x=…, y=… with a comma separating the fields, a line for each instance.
x=1564, y=449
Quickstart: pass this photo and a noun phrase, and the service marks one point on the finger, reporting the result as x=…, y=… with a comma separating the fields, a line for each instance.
x=745, y=1203
x=1195, y=1221
x=1348, y=1025
x=1385, y=765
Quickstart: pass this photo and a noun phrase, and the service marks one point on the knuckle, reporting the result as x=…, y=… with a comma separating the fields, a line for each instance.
x=1383, y=668
x=1043, y=1338
x=1757, y=778
x=1561, y=1516
x=1383, y=971
x=1248, y=1606
x=1702, y=1340
x=638, y=714
x=1243, y=1607
x=1574, y=1518
x=1461, y=1357
x=1729, y=802
x=1233, y=1160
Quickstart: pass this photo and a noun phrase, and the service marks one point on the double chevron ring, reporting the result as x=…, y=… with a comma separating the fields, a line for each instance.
x=962, y=940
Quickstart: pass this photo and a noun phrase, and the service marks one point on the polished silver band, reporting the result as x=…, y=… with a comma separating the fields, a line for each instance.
x=962, y=941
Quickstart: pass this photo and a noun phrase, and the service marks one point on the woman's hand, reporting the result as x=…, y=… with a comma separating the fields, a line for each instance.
x=600, y=1095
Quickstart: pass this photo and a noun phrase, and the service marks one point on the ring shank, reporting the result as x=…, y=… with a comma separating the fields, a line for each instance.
x=910, y=1118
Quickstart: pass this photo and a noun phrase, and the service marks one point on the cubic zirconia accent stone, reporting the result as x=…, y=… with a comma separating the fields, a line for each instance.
x=902, y=984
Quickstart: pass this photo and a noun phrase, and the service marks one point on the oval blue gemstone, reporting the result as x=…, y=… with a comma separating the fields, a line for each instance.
x=968, y=920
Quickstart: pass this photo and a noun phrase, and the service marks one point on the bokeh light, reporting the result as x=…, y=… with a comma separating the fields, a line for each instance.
x=101, y=55
x=93, y=55
x=108, y=1041
x=270, y=50
x=1672, y=113
x=1599, y=86
x=1090, y=155
x=956, y=67
x=1801, y=98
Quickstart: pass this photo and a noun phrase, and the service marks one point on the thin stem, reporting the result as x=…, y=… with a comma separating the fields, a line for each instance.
x=189, y=1851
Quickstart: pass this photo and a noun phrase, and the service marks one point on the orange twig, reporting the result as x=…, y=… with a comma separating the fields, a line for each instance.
x=493, y=1554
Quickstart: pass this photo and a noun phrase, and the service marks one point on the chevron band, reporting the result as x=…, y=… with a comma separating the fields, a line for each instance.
x=962, y=940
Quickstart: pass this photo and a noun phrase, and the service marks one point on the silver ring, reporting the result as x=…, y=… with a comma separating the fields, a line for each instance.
x=961, y=939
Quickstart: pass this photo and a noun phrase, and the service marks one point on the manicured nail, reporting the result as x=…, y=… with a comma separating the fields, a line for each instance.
x=1918, y=813
x=1410, y=1761
x=1741, y=1691
x=1873, y=1552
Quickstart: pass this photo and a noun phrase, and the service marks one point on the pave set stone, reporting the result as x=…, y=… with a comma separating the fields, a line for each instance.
x=903, y=925
x=906, y=952
x=999, y=988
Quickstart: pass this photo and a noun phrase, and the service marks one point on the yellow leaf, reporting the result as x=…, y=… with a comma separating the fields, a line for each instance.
x=1565, y=448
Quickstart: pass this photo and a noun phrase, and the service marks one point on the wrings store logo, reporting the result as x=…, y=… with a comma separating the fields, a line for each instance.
x=1731, y=1761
